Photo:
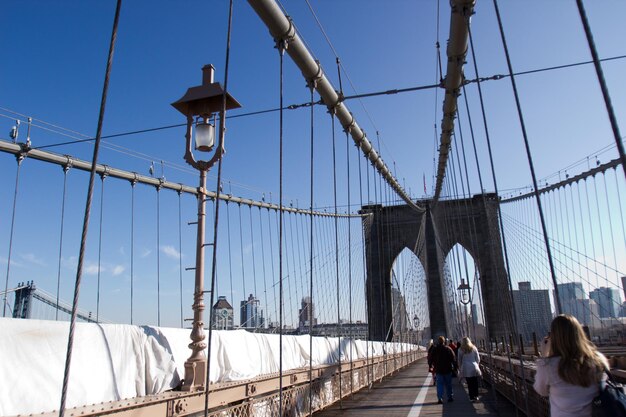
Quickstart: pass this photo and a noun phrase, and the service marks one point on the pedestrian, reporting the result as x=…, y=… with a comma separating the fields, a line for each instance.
x=443, y=360
x=469, y=368
x=569, y=370
x=429, y=358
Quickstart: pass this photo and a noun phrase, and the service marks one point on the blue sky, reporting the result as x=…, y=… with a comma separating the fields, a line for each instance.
x=53, y=69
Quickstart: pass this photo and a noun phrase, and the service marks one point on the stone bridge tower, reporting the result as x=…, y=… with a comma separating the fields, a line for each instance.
x=472, y=223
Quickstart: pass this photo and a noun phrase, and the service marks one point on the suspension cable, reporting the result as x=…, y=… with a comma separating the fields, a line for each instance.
x=602, y=81
x=158, y=251
x=20, y=158
x=527, y=146
x=102, y=178
x=83, y=242
x=332, y=115
x=281, y=45
x=217, y=206
x=132, y=245
x=66, y=168
x=180, y=255
x=309, y=307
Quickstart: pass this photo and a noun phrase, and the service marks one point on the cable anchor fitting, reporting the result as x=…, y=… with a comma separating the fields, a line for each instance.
x=282, y=41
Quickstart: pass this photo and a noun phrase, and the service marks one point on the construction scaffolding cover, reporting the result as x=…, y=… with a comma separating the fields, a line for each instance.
x=114, y=361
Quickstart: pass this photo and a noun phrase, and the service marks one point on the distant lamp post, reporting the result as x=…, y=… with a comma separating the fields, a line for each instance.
x=201, y=103
x=464, y=292
x=416, y=326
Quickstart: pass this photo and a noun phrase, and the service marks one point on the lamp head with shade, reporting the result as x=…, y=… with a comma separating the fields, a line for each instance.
x=202, y=103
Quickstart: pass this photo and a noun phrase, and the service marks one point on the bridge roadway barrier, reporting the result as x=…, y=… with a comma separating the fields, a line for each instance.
x=259, y=397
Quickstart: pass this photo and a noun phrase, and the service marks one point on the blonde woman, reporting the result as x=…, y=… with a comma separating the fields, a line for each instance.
x=469, y=359
x=570, y=369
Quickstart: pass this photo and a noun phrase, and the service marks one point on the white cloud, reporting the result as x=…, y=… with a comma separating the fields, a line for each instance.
x=145, y=252
x=13, y=263
x=170, y=251
x=31, y=258
x=92, y=269
x=69, y=263
x=117, y=270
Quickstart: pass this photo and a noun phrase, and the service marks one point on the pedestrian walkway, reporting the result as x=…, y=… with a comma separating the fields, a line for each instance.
x=410, y=393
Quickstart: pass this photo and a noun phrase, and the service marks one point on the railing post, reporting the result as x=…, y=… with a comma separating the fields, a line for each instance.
x=535, y=344
x=521, y=345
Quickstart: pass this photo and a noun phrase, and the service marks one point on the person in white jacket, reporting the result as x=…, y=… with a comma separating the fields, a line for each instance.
x=569, y=370
x=469, y=361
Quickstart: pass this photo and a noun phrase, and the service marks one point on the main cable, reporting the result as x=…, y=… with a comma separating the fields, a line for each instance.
x=83, y=242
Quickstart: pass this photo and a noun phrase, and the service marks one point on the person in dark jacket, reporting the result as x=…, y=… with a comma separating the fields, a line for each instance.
x=431, y=368
x=443, y=360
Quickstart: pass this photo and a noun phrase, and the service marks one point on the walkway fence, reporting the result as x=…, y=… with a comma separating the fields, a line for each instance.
x=259, y=397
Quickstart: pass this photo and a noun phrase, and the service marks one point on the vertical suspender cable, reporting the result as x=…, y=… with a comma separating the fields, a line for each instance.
x=158, y=252
x=528, y=154
x=243, y=269
x=230, y=261
x=309, y=307
x=83, y=241
x=602, y=81
x=364, y=264
x=336, y=219
x=66, y=168
x=269, y=227
x=20, y=158
x=255, y=309
x=102, y=178
x=180, y=255
x=217, y=210
x=263, y=263
x=281, y=45
x=132, y=245
x=349, y=220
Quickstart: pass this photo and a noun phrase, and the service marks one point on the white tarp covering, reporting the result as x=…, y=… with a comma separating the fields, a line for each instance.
x=114, y=361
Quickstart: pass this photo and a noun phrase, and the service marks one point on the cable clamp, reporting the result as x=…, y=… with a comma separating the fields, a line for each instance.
x=282, y=41
x=23, y=153
x=69, y=164
x=135, y=179
x=105, y=172
x=348, y=129
x=319, y=74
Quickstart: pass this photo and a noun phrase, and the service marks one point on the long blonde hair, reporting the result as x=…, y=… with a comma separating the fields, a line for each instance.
x=580, y=363
x=466, y=345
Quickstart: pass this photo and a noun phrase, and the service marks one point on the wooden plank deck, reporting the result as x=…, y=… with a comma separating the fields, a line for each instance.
x=410, y=393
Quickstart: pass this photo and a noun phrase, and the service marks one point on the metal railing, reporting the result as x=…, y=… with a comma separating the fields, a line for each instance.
x=259, y=397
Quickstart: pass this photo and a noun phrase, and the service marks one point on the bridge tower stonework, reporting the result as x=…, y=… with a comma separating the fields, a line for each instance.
x=472, y=223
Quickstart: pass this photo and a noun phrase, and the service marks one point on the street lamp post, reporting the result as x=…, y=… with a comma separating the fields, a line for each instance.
x=465, y=293
x=201, y=103
x=416, y=325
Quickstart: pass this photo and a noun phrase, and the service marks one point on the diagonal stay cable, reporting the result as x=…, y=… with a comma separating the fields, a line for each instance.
x=83, y=242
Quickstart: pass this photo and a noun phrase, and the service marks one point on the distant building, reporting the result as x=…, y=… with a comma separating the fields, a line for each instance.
x=574, y=302
x=356, y=330
x=251, y=314
x=533, y=310
x=571, y=291
x=608, y=300
x=223, y=314
x=306, y=314
x=624, y=286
